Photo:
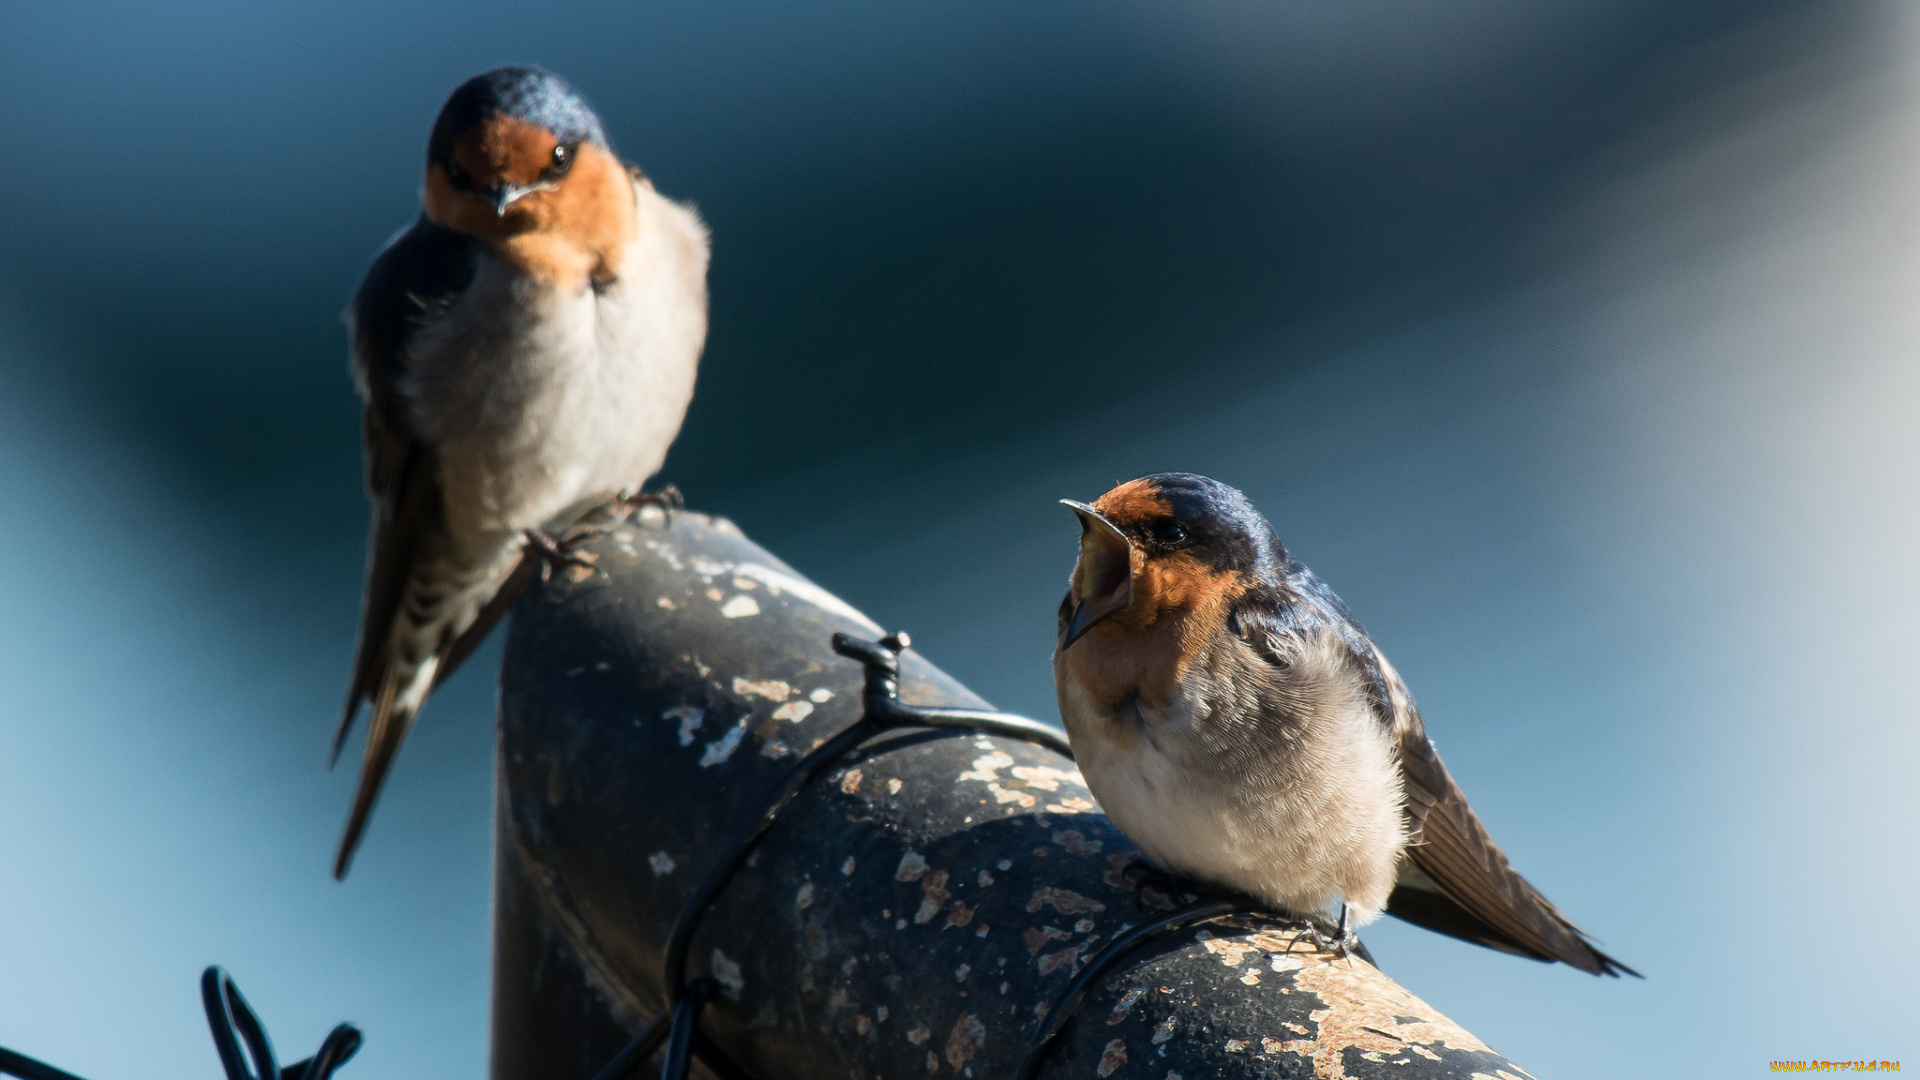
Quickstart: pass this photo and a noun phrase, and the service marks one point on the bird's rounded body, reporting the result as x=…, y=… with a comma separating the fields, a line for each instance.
x=1236, y=722
x=1278, y=783
x=540, y=395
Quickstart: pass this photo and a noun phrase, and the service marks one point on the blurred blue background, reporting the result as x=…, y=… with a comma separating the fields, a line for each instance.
x=1573, y=343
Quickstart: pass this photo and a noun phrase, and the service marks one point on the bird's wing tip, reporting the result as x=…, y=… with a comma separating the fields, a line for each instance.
x=1613, y=968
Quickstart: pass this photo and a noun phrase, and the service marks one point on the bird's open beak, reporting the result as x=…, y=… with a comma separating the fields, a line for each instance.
x=505, y=195
x=1104, y=583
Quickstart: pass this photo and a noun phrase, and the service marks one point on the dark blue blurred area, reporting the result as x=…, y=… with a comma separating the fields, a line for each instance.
x=961, y=217
x=1571, y=342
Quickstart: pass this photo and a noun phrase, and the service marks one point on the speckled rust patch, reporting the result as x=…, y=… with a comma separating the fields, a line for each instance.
x=965, y=1039
x=1364, y=1010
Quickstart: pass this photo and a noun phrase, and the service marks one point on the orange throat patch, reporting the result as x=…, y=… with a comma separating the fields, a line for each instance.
x=1178, y=607
x=573, y=232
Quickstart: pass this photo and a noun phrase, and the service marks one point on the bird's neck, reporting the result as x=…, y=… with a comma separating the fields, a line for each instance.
x=1129, y=656
x=594, y=218
x=570, y=237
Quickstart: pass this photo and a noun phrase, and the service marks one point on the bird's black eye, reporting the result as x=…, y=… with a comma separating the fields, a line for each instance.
x=1169, y=533
x=563, y=156
x=458, y=175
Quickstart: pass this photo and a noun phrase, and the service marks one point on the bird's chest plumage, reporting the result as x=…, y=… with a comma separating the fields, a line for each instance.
x=536, y=398
x=1156, y=749
x=1278, y=782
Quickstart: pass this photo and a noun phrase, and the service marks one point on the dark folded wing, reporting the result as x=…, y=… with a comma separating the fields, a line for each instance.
x=417, y=277
x=1464, y=885
x=1455, y=879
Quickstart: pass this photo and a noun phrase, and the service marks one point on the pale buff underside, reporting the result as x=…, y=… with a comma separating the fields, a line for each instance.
x=539, y=403
x=536, y=398
x=1279, y=782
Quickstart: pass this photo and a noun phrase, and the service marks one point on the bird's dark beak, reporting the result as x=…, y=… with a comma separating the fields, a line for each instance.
x=1104, y=583
x=505, y=195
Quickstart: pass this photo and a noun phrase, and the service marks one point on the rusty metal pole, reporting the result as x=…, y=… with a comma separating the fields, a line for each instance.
x=916, y=911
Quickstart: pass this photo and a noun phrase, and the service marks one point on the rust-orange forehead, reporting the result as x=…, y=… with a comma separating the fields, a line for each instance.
x=503, y=148
x=1135, y=500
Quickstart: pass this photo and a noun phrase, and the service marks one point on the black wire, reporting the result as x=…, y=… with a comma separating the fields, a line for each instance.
x=641, y=1046
x=715, y=1060
x=340, y=1044
x=638, y=1049
x=232, y=1022
x=882, y=711
x=12, y=1064
x=227, y=1014
x=1124, y=942
x=1013, y=727
x=686, y=1024
x=680, y=938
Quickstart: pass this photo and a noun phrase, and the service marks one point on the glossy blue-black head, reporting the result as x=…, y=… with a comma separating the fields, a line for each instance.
x=503, y=136
x=529, y=95
x=1199, y=515
x=1167, y=541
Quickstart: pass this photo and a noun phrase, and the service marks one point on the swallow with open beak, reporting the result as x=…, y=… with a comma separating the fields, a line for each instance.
x=526, y=352
x=1240, y=727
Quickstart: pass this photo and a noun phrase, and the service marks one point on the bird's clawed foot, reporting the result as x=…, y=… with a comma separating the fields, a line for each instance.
x=668, y=500
x=1339, y=942
x=557, y=553
x=1317, y=939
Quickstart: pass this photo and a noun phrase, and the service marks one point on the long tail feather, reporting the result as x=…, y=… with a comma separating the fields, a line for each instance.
x=393, y=715
x=346, y=727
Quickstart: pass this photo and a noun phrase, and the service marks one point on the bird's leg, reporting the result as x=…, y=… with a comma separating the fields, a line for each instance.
x=617, y=510
x=1157, y=888
x=1342, y=937
x=1306, y=929
x=553, y=553
x=668, y=499
x=1337, y=944
x=1349, y=942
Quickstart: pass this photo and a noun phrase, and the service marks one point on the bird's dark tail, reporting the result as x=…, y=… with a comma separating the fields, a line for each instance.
x=346, y=726
x=1437, y=912
x=401, y=696
x=393, y=714
x=1456, y=880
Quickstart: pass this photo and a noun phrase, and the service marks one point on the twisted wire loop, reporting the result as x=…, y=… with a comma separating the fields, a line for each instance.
x=233, y=1023
x=229, y=1014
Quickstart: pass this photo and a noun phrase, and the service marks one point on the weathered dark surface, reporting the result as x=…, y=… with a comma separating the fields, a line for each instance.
x=913, y=913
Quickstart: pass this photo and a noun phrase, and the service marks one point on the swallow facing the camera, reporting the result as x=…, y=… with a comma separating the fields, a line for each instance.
x=526, y=352
x=1240, y=727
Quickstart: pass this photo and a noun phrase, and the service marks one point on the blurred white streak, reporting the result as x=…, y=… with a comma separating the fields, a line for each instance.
x=1360, y=58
